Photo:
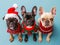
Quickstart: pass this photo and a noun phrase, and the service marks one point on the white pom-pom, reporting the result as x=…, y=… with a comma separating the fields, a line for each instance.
x=15, y=5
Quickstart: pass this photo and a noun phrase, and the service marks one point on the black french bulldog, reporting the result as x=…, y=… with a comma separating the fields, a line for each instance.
x=13, y=26
x=29, y=21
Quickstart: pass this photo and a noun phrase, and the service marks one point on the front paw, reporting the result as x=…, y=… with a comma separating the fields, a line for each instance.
x=11, y=39
x=40, y=39
x=26, y=39
x=34, y=38
x=48, y=39
x=20, y=39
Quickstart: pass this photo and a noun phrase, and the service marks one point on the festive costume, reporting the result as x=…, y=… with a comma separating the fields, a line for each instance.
x=45, y=30
x=15, y=31
x=29, y=30
x=11, y=13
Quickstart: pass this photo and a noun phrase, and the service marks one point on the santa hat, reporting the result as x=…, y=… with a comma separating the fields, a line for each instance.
x=11, y=13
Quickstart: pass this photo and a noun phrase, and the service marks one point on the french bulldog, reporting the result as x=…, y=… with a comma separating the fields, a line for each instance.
x=13, y=28
x=46, y=23
x=29, y=24
x=13, y=25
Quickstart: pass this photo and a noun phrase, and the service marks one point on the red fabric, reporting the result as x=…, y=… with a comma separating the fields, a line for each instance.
x=14, y=31
x=45, y=30
x=12, y=10
x=29, y=29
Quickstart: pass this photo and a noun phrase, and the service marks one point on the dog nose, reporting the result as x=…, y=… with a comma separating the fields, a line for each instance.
x=47, y=23
x=11, y=23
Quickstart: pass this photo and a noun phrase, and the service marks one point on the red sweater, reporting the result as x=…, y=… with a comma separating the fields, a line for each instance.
x=45, y=30
x=14, y=31
x=29, y=30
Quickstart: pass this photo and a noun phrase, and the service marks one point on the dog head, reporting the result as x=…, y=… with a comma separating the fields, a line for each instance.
x=28, y=17
x=47, y=18
x=12, y=23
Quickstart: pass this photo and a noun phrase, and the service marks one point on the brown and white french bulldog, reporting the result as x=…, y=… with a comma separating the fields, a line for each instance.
x=29, y=24
x=46, y=23
x=13, y=28
x=13, y=25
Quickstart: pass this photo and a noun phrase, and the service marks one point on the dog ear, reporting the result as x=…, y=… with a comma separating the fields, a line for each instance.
x=41, y=10
x=53, y=10
x=19, y=17
x=23, y=10
x=3, y=17
x=34, y=10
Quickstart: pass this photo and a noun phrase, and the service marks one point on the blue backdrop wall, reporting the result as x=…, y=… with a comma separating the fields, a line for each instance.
x=46, y=4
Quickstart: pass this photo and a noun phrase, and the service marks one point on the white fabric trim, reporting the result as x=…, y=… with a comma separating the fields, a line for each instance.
x=15, y=5
x=11, y=16
x=45, y=31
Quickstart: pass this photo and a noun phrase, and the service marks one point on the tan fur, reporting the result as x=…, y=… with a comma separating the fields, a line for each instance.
x=46, y=15
x=40, y=37
x=48, y=37
x=20, y=37
x=12, y=38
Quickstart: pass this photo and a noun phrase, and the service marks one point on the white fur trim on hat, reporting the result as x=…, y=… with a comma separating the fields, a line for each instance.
x=15, y=5
x=11, y=16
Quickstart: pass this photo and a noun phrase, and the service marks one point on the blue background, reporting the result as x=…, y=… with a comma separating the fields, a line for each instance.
x=46, y=4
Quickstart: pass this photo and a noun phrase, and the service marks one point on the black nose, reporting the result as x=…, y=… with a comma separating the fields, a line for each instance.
x=47, y=23
x=11, y=23
x=28, y=21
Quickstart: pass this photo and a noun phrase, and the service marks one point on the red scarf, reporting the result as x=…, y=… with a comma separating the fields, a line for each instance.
x=14, y=31
x=45, y=30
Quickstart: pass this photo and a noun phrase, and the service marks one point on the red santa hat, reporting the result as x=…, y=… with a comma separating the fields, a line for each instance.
x=11, y=13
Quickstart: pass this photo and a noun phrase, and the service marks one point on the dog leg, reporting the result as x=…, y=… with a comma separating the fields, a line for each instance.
x=11, y=38
x=34, y=37
x=40, y=37
x=26, y=38
x=20, y=37
x=48, y=37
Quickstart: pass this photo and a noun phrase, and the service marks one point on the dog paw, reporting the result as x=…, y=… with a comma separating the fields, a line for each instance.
x=40, y=39
x=35, y=39
x=48, y=39
x=25, y=39
x=11, y=39
x=20, y=39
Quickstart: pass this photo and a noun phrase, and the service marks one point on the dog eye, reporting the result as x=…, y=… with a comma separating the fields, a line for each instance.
x=51, y=19
x=43, y=19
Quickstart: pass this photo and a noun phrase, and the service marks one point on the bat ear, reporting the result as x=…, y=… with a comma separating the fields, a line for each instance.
x=41, y=10
x=23, y=10
x=53, y=11
x=34, y=10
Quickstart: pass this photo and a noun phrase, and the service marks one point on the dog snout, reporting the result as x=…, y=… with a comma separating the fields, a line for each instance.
x=11, y=23
x=47, y=23
x=28, y=22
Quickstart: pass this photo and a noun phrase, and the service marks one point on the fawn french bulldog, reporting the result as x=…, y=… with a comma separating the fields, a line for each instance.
x=46, y=23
